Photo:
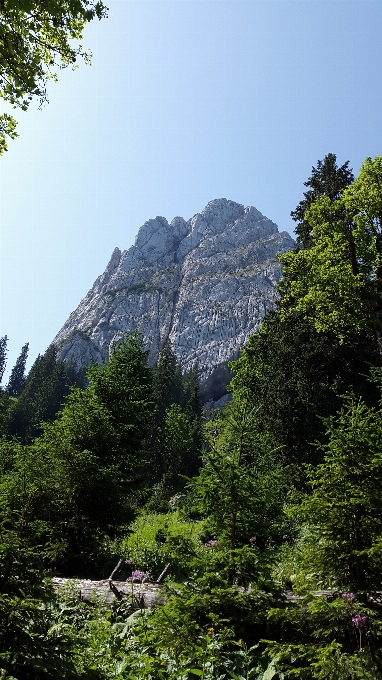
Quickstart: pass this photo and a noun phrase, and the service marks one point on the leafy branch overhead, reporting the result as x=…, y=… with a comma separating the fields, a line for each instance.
x=37, y=38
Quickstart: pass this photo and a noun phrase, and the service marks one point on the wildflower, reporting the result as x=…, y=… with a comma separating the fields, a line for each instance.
x=349, y=596
x=252, y=541
x=210, y=631
x=240, y=642
x=211, y=544
x=128, y=561
x=359, y=621
x=137, y=575
x=285, y=537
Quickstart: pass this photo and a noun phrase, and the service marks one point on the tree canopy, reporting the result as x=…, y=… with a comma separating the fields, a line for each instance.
x=37, y=37
x=337, y=282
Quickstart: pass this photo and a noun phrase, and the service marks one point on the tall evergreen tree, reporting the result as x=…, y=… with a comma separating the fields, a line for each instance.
x=166, y=391
x=295, y=371
x=166, y=382
x=336, y=283
x=3, y=355
x=327, y=179
x=176, y=433
x=47, y=385
x=295, y=376
x=17, y=378
x=190, y=393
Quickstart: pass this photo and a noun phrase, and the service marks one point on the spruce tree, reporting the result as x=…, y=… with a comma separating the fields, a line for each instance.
x=46, y=388
x=296, y=371
x=84, y=474
x=17, y=378
x=327, y=179
x=3, y=355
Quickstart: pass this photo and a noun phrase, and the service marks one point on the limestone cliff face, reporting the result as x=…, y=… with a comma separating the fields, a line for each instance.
x=204, y=284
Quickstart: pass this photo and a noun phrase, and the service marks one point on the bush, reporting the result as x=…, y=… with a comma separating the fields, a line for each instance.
x=159, y=539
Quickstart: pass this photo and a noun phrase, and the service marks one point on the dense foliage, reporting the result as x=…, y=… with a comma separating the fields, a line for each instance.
x=36, y=38
x=267, y=518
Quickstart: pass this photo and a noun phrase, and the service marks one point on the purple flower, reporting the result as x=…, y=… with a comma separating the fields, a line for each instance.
x=252, y=540
x=359, y=621
x=285, y=537
x=349, y=596
x=211, y=544
x=129, y=562
x=137, y=575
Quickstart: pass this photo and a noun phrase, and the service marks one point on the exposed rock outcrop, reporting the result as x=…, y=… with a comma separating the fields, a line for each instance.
x=204, y=284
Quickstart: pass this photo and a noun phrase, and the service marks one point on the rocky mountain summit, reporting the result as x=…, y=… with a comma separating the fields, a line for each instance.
x=203, y=284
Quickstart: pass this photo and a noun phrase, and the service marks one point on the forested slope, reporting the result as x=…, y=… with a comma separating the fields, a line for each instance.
x=268, y=513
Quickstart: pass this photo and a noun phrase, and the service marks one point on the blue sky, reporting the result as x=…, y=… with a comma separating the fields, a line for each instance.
x=185, y=101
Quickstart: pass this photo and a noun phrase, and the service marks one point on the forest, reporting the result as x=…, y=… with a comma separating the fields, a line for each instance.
x=267, y=514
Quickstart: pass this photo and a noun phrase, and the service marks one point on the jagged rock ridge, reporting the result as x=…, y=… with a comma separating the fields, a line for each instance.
x=204, y=284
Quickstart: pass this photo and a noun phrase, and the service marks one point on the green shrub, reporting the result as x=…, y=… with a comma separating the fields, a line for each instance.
x=158, y=539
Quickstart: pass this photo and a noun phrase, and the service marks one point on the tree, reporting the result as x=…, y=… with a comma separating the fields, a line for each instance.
x=167, y=381
x=294, y=377
x=37, y=37
x=337, y=282
x=47, y=385
x=3, y=355
x=176, y=433
x=344, y=511
x=326, y=180
x=80, y=480
x=239, y=488
x=294, y=369
x=340, y=548
x=17, y=378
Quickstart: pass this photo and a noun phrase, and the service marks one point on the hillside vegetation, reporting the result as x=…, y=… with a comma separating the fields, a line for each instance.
x=268, y=512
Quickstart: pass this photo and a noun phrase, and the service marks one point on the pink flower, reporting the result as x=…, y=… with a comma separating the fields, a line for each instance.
x=359, y=621
x=211, y=544
x=349, y=596
x=137, y=575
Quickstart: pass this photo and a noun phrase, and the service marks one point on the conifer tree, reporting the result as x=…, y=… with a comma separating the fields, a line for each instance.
x=17, y=378
x=336, y=283
x=47, y=385
x=327, y=179
x=3, y=355
x=295, y=369
x=83, y=474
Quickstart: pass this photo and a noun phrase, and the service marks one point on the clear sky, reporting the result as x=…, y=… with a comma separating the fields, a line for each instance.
x=186, y=101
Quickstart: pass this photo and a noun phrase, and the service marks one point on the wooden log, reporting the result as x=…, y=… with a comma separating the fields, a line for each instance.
x=148, y=595
x=145, y=595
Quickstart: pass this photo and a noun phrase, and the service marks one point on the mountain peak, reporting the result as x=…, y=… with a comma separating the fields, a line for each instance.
x=204, y=284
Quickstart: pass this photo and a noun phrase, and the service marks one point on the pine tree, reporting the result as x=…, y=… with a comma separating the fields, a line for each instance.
x=166, y=391
x=17, y=378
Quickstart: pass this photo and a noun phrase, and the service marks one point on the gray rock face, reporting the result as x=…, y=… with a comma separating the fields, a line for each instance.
x=204, y=284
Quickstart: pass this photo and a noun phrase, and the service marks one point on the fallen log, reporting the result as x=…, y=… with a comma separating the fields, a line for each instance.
x=143, y=595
